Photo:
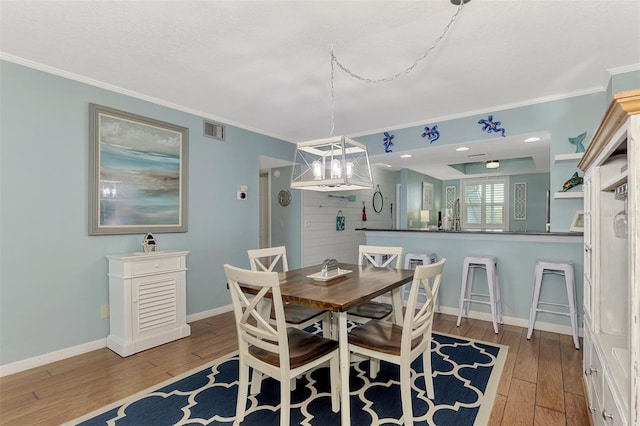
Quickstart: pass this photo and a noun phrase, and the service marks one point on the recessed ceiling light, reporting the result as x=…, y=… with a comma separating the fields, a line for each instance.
x=462, y=148
x=406, y=156
x=532, y=139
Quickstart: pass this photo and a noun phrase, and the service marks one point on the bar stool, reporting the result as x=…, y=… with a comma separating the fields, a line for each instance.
x=490, y=265
x=562, y=268
x=411, y=260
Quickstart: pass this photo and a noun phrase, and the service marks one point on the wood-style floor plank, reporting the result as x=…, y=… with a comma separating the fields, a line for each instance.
x=64, y=390
x=550, y=389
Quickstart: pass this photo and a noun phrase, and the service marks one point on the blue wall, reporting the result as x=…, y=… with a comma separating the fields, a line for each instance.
x=53, y=275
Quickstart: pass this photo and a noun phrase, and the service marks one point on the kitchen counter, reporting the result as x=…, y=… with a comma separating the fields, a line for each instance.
x=516, y=252
x=482, y=234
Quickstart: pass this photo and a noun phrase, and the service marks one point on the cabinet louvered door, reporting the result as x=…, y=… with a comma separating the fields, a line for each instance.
x=154, y=303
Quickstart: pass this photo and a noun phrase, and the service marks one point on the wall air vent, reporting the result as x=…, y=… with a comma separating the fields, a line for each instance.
x=214, y=130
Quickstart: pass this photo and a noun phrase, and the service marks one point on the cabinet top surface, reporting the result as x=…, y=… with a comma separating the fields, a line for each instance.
x=146, y=256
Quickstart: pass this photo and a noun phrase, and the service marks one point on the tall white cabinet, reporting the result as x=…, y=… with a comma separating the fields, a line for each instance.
x=147, y=300
x=612, y=264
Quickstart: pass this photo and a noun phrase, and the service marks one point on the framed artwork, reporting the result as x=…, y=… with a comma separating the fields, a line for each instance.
x=427, y=196
x=577, y=224
x=138, y=174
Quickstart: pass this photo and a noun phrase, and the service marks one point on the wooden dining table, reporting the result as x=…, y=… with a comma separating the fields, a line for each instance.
x=340, y=294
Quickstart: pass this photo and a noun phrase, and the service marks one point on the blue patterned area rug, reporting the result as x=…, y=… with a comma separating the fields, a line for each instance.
x=466, y=375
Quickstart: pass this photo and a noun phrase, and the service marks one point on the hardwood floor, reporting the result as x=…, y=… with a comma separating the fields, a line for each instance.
x=541, y=383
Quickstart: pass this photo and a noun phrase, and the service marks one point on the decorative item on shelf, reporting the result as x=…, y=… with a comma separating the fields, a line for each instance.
x=377, y=201
x=575, y=180
x=364, y=212
x=490, y=126
x=149, y=243
x=577, y=141
x=577, y=224
x=340, y=221
x=431, y=133
x=388, y=138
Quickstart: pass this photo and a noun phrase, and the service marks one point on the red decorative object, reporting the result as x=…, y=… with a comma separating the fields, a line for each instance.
x=364, y=212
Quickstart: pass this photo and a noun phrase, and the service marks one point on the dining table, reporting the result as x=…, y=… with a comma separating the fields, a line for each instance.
x=350, y=287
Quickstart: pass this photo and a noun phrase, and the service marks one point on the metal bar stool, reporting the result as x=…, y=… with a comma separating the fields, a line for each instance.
x=411, y=260
x=562, y=268
x=490, y=266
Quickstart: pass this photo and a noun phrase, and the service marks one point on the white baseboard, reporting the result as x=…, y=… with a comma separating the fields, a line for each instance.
x=37, y=361
x=209, y=313
x=519, y=322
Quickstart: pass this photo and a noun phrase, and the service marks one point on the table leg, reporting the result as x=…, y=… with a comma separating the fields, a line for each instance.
x=396, y=302
x=345, y=406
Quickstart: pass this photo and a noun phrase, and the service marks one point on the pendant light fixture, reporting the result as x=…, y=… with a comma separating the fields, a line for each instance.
x=339, y=163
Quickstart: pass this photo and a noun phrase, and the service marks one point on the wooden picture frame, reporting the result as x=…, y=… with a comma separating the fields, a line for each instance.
x=138, y=174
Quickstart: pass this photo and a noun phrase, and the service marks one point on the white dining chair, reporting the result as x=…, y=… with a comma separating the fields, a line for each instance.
x=276, y=350
x=379, y=257
x=401, y=344
x=275, y=258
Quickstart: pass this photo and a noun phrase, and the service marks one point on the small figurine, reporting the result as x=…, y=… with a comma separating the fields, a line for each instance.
x=490, y=126
x=574, y=181
x=431, y=133
x=388, y=138
x=577, y=141
x=149, y=243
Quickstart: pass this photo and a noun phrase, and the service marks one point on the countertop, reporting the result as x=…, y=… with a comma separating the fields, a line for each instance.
x=479, y=232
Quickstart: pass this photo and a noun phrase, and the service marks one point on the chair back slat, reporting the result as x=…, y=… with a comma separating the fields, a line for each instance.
x=267, y=259
x=418, y=321
x=252, y=312
x=394, y=255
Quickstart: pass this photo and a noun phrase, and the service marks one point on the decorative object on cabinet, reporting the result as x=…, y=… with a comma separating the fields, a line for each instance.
x=148, y=243
x=577, y=141
x=147, y=300
x=133, y=159
x=388, y=138
x=611, y=279
x=577, y=223
x=340, y=221
x=574, y=180
x=284, y=197
x=431, y=133
x=377, y=201
x=490, y=126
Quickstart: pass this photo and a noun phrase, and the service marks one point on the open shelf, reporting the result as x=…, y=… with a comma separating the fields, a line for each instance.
x=569, y=194
x=559, y=158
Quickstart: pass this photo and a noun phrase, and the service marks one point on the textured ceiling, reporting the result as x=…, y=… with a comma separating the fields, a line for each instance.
x=265, y=65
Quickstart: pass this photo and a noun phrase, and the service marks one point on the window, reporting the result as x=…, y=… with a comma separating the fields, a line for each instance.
x=484, y=204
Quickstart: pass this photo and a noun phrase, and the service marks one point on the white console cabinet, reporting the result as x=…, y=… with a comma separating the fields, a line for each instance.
x=147, y=300
x=612, y=265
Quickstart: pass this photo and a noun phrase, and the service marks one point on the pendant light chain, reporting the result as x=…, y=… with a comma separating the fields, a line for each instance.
x=335, y=61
